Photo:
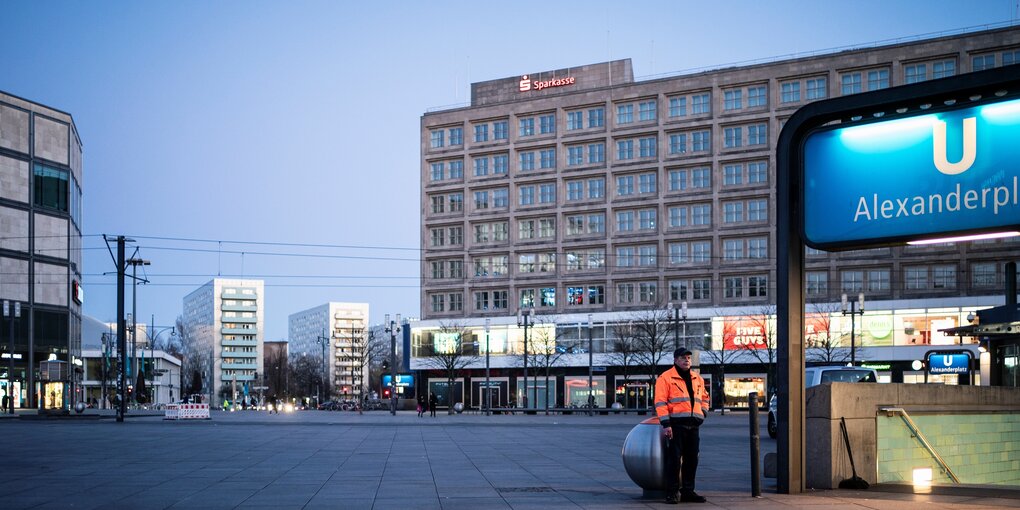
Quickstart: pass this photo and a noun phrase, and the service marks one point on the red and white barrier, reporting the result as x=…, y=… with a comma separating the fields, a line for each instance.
x=186, y=412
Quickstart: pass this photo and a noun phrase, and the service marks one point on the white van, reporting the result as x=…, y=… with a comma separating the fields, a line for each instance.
x=813, y=376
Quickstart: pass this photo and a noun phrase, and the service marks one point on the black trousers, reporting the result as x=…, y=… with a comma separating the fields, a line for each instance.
x=682, y=458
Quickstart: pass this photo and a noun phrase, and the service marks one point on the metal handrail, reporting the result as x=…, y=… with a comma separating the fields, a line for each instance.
x=923, y=440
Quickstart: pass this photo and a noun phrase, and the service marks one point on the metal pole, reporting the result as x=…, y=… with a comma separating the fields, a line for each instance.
x=393, y=327
x=488, y=389
x=676, y=326
x=10, y=362
x=752, y=405
x=526, y=316
x=853, y=350
x=683, y=315
x=121, y=333
x=591, y=395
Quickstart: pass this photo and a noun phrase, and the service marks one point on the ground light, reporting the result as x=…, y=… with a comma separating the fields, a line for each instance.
x=922, y=479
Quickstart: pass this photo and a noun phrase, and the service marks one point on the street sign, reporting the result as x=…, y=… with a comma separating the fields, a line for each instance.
x=948, y=363
x=929, y=175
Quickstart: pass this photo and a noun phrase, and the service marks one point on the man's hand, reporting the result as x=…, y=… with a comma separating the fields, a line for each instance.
x=669, y=432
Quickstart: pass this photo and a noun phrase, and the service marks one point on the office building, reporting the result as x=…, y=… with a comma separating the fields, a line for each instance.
x=584, y=191
x=162, y=372
x=338, y=332
x=226, y=321
x=40, y=252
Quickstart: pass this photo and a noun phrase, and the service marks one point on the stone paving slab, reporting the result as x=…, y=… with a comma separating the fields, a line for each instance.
x=309, y=460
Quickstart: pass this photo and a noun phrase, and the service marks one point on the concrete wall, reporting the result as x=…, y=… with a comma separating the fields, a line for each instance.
x=826, y=459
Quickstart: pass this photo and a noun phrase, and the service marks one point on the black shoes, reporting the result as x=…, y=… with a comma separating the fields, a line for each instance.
x=691, y=497
x=672, y=499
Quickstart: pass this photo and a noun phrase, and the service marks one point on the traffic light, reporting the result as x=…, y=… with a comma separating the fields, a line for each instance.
x=385, y=365
x=386, y=393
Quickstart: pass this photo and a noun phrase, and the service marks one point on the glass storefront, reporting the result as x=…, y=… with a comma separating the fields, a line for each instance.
x=576, y=394
x=736, y=387
x=440, y=387
x=497, y=391
x=537, y=394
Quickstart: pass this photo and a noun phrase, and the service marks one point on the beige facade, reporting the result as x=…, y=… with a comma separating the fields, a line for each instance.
x=582, y=190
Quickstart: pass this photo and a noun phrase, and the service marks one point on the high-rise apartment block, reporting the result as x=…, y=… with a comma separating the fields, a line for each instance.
x=338, y=331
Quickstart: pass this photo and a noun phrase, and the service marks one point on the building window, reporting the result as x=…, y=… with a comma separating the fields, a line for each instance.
x=625, y=256
x=436, y=138
x=575, y=190
x=625, y=150
x=481, y=200
x=733, y=249
x=757, y=96
x=456, y=302
x=757, y=172
x=916, y=73
x=701, y=252
x=1010, y=57
x=648, y=256
x=646, y=219
x=575, y=120
x=547, y=124
x=757, y=286
x=456, y=235
x=500, y=164
x=482, y=300
x=677, y=180
x=596, y=223
x=790, y=92
x=625, y=293
x=624, y=185
x=702, y=289
x=733, y=175
x=546, y=228
x=878, y=280
x=757, y=210
x=982, y=274
x=677, y=216
x=733, y=137
x=481, y=166
x=438, y=204
x=817, y=283
x=678, y=290
x=758, y=248
x=852, y=281
x=646, y=183
x=548, y=158
x=733, y=212
x=575, y=155
x=851, y=84
x=758, y=134
x=481, y=133
x=625, y=114
x=500, y=130
x=575, y=225
x=526, y=195
x=878, y=79
x=501, y=198
x=817, y=88
x=527, y=298
x=944, y=277
x=701, y=215
x=625, y=221
x=438, y=302
x=457, y=169
x=916, y=278
x=456, y=136
x=701, y=104
x=647, y=292
x=701, y=177
x=678, y=253
x=527, y=127
x=678, y=143
x=596, y=153
x=596, y=187
x=547, y=194
x=527, y=161
x=733, y=287
x=647, y=147
x=732, y=99
x=456, y=202
x=438, y=171
x=946, y=68
x=646, y=110
x=596, y=117
x=701, y=141
x=678, y=107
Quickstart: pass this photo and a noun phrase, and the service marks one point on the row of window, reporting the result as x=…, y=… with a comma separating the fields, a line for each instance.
x=753, y=173
x=918, y=278
x=626, y=293
x=643, y=220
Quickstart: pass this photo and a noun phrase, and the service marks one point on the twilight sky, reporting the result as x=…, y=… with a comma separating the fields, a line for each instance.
x=280, y=140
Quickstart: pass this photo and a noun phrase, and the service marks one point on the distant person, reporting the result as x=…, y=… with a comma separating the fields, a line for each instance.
x=681, y=402
x=433, y=403
x=7, y=404
x=421, y=405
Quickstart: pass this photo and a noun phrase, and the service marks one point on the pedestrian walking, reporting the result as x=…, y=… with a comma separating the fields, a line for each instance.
x=433, y=403
x=681, y=403
x=6, y=403
x=421, y=405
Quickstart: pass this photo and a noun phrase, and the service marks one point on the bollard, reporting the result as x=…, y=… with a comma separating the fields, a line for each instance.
x=644, y=457
x=752, y=406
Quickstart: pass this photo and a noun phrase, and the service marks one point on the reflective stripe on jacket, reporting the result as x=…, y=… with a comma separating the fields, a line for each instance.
x=672, y=400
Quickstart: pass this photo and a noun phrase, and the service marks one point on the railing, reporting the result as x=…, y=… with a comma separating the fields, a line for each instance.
x=921, y=439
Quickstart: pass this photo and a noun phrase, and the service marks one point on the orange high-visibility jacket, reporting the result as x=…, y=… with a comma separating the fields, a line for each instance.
x=672, y=400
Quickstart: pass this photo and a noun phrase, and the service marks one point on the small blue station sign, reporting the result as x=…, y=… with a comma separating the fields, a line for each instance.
x=948, y=363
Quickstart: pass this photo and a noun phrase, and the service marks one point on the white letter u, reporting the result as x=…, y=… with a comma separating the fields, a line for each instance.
x=969, y=147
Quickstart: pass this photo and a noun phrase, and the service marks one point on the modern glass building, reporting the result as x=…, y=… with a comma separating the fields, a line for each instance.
x=227, y=317
x=650, y=205
x=40, y=254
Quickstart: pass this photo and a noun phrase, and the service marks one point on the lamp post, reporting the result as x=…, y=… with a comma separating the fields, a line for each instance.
x=134, y=262
x=153, y=338
x=392, y=328
x=676, y=314
x=591, y=394
x=11, y=313
x=354, y=342
x=488, y=389
x=324, y=341
x=523, y=317
x=852, y=312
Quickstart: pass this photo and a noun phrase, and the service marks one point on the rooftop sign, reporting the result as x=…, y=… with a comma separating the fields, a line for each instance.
x=526, y=84
x=930, y=175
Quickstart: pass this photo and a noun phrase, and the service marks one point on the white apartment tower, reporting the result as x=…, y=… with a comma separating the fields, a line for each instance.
x=339, y=331
x=226, y=318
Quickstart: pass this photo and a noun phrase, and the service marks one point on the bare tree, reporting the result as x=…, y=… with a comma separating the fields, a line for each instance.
x=650, y=332
x=305, y=375
x=276, y=369
x=623, y=349
x=450, y=354
x=546, y=350
x=722, y=357
x=377, y=359
x=194, y=358
x=823, y=345
x=760, y=342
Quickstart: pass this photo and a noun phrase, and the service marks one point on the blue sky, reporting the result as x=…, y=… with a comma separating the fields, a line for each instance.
x=297, y=123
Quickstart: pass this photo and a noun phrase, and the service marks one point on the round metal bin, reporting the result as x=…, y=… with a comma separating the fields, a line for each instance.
x=644, y=454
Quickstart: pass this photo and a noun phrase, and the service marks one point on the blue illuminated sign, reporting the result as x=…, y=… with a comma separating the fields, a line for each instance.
x=918, y=177
x=403, y=380
x=954, y=363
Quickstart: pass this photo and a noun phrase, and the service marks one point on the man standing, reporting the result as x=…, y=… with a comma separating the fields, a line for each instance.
x=681, y=403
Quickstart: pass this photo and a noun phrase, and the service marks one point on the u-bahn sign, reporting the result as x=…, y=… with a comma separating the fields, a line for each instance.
x=945, y=170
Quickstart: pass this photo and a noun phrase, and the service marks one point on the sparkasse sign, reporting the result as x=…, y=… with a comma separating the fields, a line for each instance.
x=927, y=175
x=526, y=84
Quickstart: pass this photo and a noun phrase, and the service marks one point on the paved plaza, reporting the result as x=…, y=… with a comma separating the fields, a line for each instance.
x=316, y=459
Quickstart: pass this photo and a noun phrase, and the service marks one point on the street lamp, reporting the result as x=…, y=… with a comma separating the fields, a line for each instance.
x=393, y=328
x=677, y=314
x=591, y=395
x=488, y=389
x=153, y=339
x=852, y=312
x=523, y=317
x=11, y=313
x=324, y=341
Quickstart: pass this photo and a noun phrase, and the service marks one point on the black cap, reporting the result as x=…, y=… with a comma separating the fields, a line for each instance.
x=681, y=352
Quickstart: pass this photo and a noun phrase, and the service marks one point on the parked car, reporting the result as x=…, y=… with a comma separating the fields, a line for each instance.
x=814, y=376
